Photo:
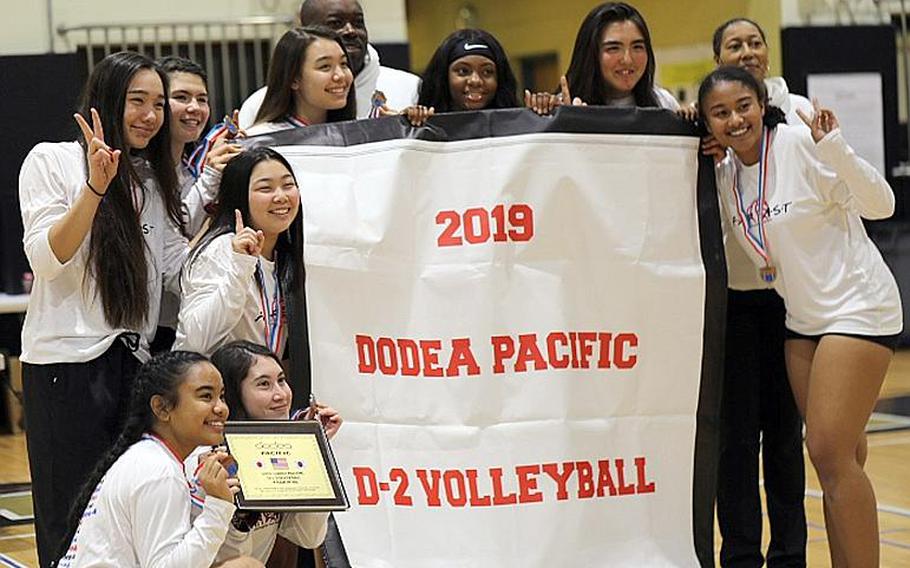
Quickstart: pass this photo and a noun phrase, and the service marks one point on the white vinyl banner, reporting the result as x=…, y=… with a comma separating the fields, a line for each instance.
x=512, y=329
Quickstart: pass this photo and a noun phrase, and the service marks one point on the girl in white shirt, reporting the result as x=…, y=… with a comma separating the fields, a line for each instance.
x=613, y=62
x=799, y=195
x=199, y=163
x=135, y=508
x=256, y=386
x=242, y=278
x=309, y=82
x=189, y=101
x=758, y=413
x=101, y=224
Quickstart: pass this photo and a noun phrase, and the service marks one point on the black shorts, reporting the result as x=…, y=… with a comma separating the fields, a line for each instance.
x=889, y=341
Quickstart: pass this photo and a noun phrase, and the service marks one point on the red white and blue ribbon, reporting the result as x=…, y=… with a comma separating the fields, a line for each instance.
x=196, y=498
x=297, y=121
x=758, y=240
x=196, y=161
x=272, y=311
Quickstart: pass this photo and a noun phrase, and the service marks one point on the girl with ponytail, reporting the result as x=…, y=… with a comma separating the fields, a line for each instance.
x=135, y=508
x=795, y=198
x=101, y=221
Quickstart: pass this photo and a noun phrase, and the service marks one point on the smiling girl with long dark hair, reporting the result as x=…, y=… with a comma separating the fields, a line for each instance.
x=101, y=219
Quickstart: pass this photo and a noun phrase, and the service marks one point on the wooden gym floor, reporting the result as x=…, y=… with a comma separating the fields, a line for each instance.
x=888, y=466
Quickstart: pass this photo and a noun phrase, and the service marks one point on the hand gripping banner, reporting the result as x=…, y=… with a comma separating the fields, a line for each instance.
x=520, y=319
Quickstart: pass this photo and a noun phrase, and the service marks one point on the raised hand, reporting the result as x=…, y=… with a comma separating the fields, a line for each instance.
x=222, y=152
x=213, y=477
x=565, y=97
x=102, y=160
x=246, y=240
x=822, y=121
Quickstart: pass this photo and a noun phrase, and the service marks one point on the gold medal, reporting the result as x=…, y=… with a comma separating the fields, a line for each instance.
x=768, y=273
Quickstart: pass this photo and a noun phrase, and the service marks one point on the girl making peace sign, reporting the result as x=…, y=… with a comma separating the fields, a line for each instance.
x=799, y=196
x=101, y=220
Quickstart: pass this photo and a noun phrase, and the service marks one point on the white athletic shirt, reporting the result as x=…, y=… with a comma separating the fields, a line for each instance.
x=195, y=195
x=665, y=100
x=399, y=87
x=306, y=530
x=741, y=273
x=139, y=515
x=829, y=273
x=220, y=299
x=65, y=320
x=269, y=127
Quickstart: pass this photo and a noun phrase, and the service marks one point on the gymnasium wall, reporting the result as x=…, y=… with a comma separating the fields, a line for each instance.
x=680, y=31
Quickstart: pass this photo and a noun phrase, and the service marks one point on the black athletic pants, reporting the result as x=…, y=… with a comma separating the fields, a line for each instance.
x=73, y=413
x=758, y=412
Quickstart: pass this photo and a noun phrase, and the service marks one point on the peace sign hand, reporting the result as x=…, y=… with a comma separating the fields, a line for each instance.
x=822, y=122
x=246, y=240
x=565, y=97
x=102, y=160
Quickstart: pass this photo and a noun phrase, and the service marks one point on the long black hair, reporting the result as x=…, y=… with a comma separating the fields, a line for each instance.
x=434, y=86
x=117, y=252
x=734, y=74
x=234, y=361
x=584, y=76
x=234, y=193
x=162, y=375
x=285, y=66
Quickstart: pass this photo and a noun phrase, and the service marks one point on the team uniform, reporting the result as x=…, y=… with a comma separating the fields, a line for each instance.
x=829, y=273
x=223, y=299
x=665, y=100
x=140, y=515
x=77, y=368
x=257, y=539
x=195, y=195
x=758, y=412
x=399, y=88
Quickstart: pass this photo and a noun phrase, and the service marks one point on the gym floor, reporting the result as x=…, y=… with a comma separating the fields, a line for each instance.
x=888, y=466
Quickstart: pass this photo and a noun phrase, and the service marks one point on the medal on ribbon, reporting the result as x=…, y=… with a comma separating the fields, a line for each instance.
x=755, y=232
x=272, y=311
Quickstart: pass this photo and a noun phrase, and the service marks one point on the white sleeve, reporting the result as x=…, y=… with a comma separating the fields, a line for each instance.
x=214, y=293
x=44, y=198
x=236, y=543
x=850, y=180
x=250, y=108
x=200, y=194
x=161, y=531
x=174, y=254
x=665, y=99
x=306, y=530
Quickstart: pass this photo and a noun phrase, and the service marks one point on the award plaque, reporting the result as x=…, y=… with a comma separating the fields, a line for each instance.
x=285, y=466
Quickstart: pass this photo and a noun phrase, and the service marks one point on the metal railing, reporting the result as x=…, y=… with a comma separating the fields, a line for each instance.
x=234, y=53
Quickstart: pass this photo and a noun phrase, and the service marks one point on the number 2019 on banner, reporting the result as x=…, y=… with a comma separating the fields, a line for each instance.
x=478, y=225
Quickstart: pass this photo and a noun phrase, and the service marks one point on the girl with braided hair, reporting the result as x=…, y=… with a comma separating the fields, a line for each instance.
x=135, y=508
